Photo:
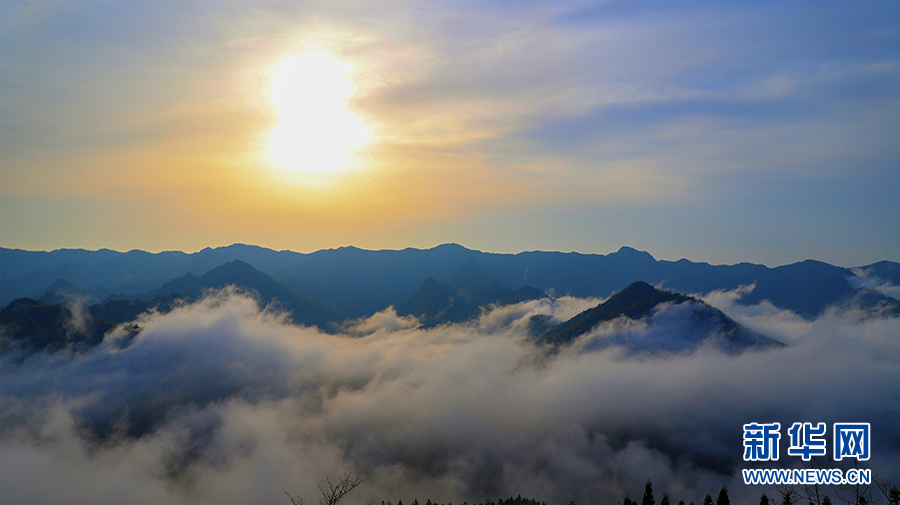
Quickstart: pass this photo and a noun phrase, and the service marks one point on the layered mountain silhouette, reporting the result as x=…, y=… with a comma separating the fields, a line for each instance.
x=62, y=292
x=672, y=322
x=33, y=325
x=468, y=290
x=633, y=302
x=243, y=276
x=356, y=283
x=123, y=311
x=676, y=323
x=885, y=270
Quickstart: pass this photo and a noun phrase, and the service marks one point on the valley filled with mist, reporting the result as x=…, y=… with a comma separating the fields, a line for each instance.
x=237, y=374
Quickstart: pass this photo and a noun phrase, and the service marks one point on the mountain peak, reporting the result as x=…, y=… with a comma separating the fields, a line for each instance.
x=241, y=246
x=630, y=252
x=244, y=276
x=638, y=288
x=691, y=324
x=236, y=265
x=634, y=302
x=451, y=246
x=235, y=272
x=639, y=297
x=63, y=286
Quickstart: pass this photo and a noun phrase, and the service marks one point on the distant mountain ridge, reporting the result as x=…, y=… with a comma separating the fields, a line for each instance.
x=355, y=283
x=29, y=326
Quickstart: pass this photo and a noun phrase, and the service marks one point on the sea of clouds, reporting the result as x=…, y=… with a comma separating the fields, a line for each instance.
x=222, y=401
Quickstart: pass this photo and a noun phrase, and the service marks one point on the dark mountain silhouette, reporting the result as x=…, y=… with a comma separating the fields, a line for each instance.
x=471, y=278
x=809, y=286
x=243, y=276
x=123, y=311
x=131, y=271
x=356, y=283
x=28, y=273
x=871, y=302
x=31, y=326
x=886, y=271
x=268, y=261
x=383, y=278
x=431, y=302
x=63, y=292
x=523, y=294
x=16, y=262
x=633, y=302
x=188, y=283
x=468, y=289
x=696, y=324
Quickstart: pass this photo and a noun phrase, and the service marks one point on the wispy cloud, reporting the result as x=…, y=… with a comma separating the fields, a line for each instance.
x=221, y=402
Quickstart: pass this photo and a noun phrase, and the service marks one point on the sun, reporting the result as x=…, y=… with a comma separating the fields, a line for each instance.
x=315, y=131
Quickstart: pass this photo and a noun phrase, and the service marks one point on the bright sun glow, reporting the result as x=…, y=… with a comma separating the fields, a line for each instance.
x=315, y=130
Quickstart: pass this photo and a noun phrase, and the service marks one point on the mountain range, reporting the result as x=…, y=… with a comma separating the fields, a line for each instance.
x=30, y=325
x=468, y=289
x=353, y=283
x=67, y=299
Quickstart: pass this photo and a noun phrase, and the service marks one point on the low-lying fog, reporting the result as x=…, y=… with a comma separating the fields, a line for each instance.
x=223, y=402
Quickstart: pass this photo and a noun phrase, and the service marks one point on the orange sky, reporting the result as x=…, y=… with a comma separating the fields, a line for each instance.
x=548, y=126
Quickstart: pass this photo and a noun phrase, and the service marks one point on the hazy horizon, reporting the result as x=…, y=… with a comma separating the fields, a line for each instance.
x=600, y=253
x=719, y=132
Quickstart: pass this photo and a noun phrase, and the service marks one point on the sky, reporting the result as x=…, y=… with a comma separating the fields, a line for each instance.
x=724, y=132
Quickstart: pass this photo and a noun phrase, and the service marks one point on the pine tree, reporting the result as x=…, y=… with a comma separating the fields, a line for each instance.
x=665, y=499
x=826, y=501
x=723, y=497
x=648, y=494
x=764, y=500
x=708, y=500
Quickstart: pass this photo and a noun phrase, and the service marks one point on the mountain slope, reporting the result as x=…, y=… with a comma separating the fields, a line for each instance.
x=675, y=323
x=31, y=325
x=357, y=283
x=633, y=302
x=244, y=276
x=468, y=289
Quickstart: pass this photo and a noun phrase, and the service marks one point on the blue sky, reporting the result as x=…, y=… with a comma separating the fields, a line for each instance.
x=736, y=131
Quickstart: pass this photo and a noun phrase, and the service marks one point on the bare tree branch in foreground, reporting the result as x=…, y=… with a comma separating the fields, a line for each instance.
x=332, y=492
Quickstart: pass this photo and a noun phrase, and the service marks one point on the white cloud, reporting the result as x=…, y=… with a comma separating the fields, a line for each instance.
x=863, y=279
x=230, y=404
